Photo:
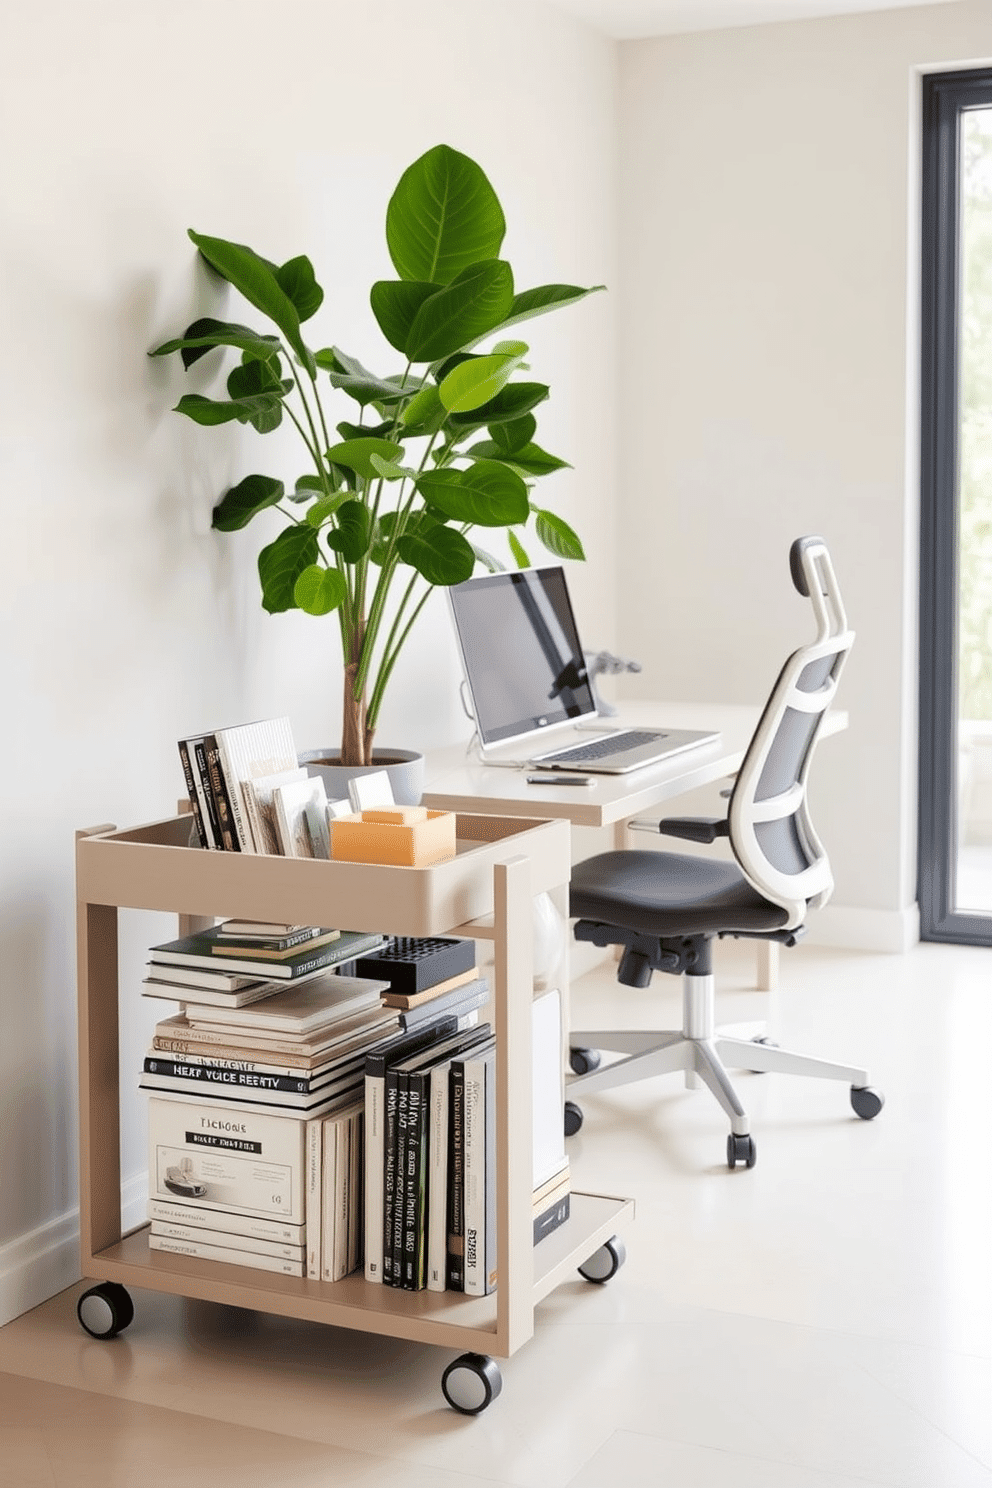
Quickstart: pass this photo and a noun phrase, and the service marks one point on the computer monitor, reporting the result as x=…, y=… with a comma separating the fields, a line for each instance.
x=521, y=652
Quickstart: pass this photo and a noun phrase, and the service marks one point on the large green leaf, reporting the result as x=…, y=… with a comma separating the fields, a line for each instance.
x=245, y=500
x=258, y=380
x=203, y=335
x=348, y=430
x=439, y=553
x=353, y=533
x=255, y=278
x=545, y=297
x=443, y=216
x=319, y=590
x=424, y=414
x=514, y=434
x=395, y=303
x=516, y=399
x=281, y=563
x=357, y=381
x=557, y=536
x=487, y=494
x=297, y=280
x=356, y=454
x=474, y=302
x=210, y=411
x=518, y=550
x=531, y=459
x=475, y=382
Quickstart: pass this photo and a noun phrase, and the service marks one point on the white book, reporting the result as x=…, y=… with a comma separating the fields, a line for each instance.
x=250, y=751
x=337, y=1192
x=330, y=1098
x=301, y=818
x=191, y=976
x=264, y=807
x=219, y=1219
x=315, y=1159
x=225, y=1158
x=227, y=1254
x=340, y=1037
x=480, y=1173
x=310, y=1004
x=437, y=1179
x=356, y=1162
x=208, y=996
x=236, y=1241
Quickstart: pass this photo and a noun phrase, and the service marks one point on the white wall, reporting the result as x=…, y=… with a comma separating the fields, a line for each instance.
x=769, y=212
x=126, y=621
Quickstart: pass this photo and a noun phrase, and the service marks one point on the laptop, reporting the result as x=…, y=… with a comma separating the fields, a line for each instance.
x=532, y=698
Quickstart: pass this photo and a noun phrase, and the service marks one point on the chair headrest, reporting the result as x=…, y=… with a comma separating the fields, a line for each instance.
x=797, y=564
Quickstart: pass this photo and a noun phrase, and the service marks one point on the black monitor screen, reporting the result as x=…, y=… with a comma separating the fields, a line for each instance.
x=521, y=652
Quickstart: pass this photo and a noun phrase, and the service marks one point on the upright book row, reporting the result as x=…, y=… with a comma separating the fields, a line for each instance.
x=247, y=789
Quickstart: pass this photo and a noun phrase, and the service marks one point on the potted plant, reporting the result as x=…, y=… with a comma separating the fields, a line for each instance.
x=383, y=511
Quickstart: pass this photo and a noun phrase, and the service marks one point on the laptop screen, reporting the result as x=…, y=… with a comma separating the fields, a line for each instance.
x=521, y=652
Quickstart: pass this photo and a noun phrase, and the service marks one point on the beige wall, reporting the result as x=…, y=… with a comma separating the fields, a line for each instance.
x=768, y=216
x=126, y=621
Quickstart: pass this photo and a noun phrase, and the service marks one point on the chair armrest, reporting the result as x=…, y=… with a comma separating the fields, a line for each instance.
x=695, y=828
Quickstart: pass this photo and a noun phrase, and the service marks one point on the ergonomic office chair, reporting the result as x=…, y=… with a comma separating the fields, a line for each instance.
x=665, y=909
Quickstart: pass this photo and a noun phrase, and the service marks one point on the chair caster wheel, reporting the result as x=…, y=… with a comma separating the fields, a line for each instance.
x=866, y=1102
x=761, y=1038
x=573, y=1118
x=741, y=1149
x=583, y=1061
x=605, y=1262
x=471, y=1382
x=105, y=1310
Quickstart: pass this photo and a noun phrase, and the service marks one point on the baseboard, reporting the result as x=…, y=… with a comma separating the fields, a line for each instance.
x=37, y=1265
x=893, y=930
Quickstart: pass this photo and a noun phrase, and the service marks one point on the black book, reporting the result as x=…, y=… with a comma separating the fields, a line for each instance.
x=191, y=791
x=211, y=820
x=410, y=1226
x=222, y=800
x=376, y=1066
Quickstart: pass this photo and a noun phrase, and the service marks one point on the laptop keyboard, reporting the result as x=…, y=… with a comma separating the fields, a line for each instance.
x=598, y=749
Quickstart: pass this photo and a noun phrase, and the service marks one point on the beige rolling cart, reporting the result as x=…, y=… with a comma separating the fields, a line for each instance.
x=485, y=892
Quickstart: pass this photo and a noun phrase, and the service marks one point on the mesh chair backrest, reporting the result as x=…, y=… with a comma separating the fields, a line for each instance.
x=770, y=831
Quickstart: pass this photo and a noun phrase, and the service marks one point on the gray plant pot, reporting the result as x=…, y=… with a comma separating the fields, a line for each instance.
x=404, y=767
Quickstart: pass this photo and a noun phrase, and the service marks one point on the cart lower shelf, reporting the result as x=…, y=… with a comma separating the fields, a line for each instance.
x=449, y=1319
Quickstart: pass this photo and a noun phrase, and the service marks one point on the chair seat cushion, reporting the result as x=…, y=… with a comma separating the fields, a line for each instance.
x=660, y=893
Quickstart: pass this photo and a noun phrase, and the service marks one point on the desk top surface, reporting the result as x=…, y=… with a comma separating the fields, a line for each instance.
x=458, y=781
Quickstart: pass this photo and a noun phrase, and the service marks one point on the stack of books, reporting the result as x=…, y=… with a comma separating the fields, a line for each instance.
x=249, y=793
x=236, y=962
x=242, y=1083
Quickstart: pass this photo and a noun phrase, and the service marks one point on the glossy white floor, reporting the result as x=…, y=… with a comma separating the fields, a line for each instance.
x=822, y=1321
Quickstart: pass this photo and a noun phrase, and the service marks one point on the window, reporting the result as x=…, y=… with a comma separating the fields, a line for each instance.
x=955, y=828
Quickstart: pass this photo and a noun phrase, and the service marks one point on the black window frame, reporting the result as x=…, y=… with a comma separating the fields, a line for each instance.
x=946, y=96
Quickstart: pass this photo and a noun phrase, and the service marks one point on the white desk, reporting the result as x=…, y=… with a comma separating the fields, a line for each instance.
x=457, y=781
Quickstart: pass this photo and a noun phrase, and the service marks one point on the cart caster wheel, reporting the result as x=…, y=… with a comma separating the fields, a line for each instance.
x=583, y=1061
x=471, y=1382
x=761, y=1038
x=866, y=1102
x=741, y=1149
x=573, y=1118
x=105, y=1310
x=605, y=1262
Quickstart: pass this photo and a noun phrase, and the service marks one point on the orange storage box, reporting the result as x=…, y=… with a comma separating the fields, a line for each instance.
x=366, y=838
